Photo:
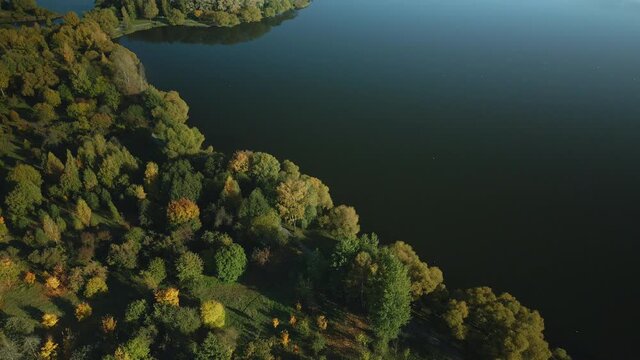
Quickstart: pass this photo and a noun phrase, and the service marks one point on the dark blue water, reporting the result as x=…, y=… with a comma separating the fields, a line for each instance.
x=500, y=137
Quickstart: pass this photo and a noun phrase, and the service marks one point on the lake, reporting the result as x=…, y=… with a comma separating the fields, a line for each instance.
x=500, y=138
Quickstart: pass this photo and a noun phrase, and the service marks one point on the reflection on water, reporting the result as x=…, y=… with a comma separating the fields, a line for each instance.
x=212, y=35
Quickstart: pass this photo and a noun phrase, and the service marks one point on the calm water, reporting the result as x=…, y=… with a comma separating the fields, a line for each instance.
x=499, y=137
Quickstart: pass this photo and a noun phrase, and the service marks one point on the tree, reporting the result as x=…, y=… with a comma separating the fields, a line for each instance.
x=178, y=139
x=291, y=195
x=213, y=314
x=168, y=296
x=70, y=179
x=182, y=211
x=497, y=327
x=83, y=311
x=155, y=273
x=264, y=168
x=127, y=73
x=25, y=173
x=179, y=180
x=51, y=228
x=341, y=222
x=95, y=285
x=23, y=5
x=126, y=18
x=454, y=316
x=189, y=267
x=53, y=165
x=390, y=297
x=212, y=349
x=23, y=199
x=230, y=261
x=150, y=9
x=105, y=18
x=135, y=310
x=83, y=212
x=424, y=279
x=176, y=17
x=5, y=78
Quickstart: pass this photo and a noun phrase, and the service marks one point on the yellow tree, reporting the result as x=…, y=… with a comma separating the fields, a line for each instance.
x=83, y=311
x=213, y=314
x=168, y=296
x=182, y=211
x=291, y=200
x=108, y=324
x=49, y=320
x=48, y=350
x=83, y=212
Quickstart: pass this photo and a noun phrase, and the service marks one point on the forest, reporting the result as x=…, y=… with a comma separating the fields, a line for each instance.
x=124, y=234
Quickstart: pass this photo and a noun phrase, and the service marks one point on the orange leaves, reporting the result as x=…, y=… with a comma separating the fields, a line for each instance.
x=83, y=311
x=322, y=322
x=168, y=296
x=108, y=324
x=182, y=211
x=29, y=278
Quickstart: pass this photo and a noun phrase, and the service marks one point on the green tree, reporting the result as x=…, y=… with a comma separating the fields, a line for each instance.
x=179, y=180
x=424, y=279
x=155, y=273
x=212, y=349
x=498, y=326
x=176, y=17
x=189, y=267
x=70, y=179
x=83, y=212
x=178, y=139
x=25, y=173
x=135, y=310
x=23, y=199
x=150, y=9
x=390, y=297
x=230, y=261
x=264, y=168
x=341, y=222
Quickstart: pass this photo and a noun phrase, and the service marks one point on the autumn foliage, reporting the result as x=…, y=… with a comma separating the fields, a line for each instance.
x=182, y=211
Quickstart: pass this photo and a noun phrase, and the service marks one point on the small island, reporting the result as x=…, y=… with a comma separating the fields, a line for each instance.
x=125, y=235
